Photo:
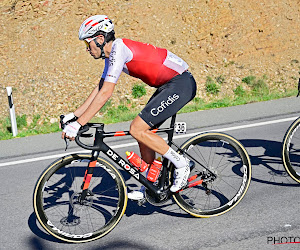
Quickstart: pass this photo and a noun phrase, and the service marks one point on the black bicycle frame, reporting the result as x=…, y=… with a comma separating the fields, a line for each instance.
x=101, y=146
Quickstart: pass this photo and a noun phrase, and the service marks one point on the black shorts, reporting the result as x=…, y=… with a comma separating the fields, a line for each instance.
x=168, y=99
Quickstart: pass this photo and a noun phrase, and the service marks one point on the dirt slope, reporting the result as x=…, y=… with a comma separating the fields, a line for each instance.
x=50, y=72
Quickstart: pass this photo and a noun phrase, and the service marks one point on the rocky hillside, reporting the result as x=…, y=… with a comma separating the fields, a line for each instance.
x=50, y=72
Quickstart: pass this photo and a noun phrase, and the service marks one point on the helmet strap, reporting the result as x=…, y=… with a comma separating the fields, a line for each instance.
x=101, y=46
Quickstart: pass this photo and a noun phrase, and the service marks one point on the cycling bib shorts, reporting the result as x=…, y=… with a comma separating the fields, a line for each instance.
x=168, y=99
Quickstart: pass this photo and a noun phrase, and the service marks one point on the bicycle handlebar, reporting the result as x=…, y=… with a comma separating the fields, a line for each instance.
x=81, y=131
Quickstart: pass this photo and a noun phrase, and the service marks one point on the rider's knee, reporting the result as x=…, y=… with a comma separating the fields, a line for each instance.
x=136, y=131
x=133, y=130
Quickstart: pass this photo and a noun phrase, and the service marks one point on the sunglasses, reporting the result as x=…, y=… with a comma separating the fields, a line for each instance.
x=87, y=41
x=87, y=44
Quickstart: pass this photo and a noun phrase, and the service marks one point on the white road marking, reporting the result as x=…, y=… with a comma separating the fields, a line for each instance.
x=135, y=143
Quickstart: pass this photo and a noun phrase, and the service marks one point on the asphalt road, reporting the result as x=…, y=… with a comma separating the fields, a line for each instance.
x=268, y=214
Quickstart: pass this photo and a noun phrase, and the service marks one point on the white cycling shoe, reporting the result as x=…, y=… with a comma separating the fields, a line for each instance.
x=181, y=176
x=135, y=195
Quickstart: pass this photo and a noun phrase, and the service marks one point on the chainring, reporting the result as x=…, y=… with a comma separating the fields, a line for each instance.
x=155, y=200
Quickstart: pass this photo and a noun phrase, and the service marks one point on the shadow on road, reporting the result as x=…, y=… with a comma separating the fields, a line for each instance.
x=267, y=168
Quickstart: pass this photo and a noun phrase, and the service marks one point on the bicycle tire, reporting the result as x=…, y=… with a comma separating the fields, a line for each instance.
x=229, y=161
x=291, y=150
x=55, y=199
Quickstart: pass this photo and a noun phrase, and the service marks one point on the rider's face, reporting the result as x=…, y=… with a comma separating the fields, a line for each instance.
x=93, y=49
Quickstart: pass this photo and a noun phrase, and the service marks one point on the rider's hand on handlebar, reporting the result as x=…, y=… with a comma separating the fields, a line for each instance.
x=69, y=117
x=71, y=130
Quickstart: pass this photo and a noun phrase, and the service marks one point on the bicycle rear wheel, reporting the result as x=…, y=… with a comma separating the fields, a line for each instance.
x=291, y=150
x=222, y=173
x=56, y=199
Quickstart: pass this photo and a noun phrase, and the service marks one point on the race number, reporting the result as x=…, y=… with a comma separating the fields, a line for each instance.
x=180, y=127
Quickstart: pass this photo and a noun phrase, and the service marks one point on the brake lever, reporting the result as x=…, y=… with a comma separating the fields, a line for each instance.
x=67, y=143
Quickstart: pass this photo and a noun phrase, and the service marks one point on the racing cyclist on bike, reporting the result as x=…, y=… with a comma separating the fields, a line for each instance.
x=155, y=66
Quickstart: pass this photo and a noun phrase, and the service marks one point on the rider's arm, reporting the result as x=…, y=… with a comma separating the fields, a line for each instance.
x=79, y=111
x=97, y=103
x=91, y=97
x=112, y=70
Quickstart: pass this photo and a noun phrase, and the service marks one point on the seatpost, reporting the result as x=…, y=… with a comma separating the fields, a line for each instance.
x=171, y=132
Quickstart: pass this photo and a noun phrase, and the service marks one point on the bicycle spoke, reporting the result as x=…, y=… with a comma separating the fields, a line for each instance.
x=61, y=209
x=220, y=169
x=291, y=150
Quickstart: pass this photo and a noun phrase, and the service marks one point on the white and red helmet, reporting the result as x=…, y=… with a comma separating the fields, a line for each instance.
x=95, y=25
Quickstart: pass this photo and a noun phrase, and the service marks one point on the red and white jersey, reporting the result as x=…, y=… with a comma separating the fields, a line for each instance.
x=154, y=66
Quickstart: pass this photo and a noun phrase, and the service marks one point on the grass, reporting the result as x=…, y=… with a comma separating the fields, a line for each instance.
x=257, y=91
x=212, y=87
x=138, y=90
x=257, y=86
x=36, y=126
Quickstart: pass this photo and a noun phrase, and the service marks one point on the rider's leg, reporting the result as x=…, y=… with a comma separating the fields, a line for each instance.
x=147, y=154
x=140, y=130
x=152, y=142
x=165, y=102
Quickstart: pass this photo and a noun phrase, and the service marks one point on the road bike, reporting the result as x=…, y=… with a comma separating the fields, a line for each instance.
x=82, y=197
x=291, y=150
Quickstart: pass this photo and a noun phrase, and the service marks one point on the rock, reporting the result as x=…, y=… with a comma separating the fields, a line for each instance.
x=51, y=72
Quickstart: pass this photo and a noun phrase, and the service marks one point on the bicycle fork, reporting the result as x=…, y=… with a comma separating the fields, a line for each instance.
x=88, y=176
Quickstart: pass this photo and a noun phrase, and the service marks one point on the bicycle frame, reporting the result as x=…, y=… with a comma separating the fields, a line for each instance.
x=71, y=212
x=101, y=146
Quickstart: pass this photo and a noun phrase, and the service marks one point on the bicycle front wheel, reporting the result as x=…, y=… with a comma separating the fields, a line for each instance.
x=291, y=150
x=220, y=177
x=57, y=204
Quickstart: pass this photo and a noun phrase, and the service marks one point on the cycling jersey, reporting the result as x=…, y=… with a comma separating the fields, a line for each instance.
x=154, y=66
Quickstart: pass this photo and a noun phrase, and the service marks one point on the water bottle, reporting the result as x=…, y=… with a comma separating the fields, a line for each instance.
x=136, y=161
x=154, y=170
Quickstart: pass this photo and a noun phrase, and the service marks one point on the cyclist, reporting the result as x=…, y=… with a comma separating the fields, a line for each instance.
x=155, y=66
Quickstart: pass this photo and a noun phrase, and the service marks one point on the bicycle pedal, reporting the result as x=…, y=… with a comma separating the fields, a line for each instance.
x=141, y=202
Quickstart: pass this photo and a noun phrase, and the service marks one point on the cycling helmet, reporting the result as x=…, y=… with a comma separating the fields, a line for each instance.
x=94, y=26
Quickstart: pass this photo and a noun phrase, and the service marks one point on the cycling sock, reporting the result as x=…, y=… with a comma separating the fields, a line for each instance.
x=177, y=159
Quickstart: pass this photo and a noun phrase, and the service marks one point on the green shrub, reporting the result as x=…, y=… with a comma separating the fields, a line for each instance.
x=258, y=87
x=138, y=91
x=211, y=86
x=249, y=80
x=261, y=87
x=122, y=108
x=21, y=121
x=198, y=100
x=220, y=79
x=239, y=91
